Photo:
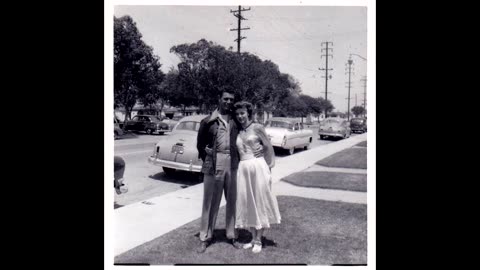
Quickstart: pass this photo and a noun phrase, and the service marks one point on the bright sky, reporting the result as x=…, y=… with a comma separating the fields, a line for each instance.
x=290, y=36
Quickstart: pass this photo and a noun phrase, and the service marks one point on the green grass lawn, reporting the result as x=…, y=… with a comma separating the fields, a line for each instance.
x=362, y=144
x=313, y=232
x=355, y=158
x=330, y=180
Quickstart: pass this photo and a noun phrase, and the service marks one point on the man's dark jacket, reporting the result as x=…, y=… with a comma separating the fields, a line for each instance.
x=207, y=136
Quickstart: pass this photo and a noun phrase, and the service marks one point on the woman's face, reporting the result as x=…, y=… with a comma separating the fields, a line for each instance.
x=242, y=115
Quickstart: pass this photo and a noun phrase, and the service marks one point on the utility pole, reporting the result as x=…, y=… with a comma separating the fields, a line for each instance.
x=326, y=49
x=350, y=62
x=355, y=99
x=364, y=80
x=238, y=14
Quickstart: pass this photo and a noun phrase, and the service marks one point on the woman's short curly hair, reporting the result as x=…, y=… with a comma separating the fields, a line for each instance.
x=244, y=105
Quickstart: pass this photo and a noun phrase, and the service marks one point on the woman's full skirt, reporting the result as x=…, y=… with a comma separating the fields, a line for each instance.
x=256, y=205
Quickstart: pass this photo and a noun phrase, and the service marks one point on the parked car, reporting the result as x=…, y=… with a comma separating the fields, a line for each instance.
x=288, y=133
x=118, y=170
x=172, y=122
x=146, y=123
x=117, y=130
x=358, y=125
x=334, y=127
x=179, y=151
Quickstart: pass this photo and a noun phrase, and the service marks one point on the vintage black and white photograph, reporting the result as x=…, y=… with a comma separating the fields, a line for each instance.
x=240, y=133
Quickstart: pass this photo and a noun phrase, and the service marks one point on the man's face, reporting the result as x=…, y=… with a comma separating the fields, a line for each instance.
x=226, y=103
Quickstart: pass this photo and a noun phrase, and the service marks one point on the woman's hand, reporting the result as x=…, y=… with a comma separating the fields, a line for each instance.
x=258, y=152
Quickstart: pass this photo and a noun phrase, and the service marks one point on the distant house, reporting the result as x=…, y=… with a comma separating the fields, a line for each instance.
x=168, y=111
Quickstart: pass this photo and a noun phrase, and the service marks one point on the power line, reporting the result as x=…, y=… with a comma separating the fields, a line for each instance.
x=284, y=62
x=238, y=14
x=364, y=79
x=350, y=62
x=326, y=64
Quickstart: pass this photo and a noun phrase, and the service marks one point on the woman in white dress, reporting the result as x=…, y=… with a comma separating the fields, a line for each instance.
x=256, y=206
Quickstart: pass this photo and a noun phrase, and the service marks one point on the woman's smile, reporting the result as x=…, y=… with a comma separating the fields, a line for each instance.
x=242, y=115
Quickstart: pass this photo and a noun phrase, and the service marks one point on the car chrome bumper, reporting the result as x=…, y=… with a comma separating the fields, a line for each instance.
x=174, y=165
x=279, y=145
x=333, y=134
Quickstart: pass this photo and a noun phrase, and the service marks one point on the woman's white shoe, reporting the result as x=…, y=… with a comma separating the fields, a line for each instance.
x=257, y=247
x=247, y=246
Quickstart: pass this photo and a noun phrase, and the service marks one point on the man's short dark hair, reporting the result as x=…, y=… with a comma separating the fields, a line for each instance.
x=231, y=92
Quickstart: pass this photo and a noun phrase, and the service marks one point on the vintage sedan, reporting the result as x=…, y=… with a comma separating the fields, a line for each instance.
x=358, y=125
x=334, y=127
x=288, y=133
x=146, y=123
x=179, y=151
x=117, y=129
x=118, y=180
x=171, y=122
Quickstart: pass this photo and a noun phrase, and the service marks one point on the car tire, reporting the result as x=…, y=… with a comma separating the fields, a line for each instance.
x=321, y=137
x=168, y=171
x=149, y=131
x=115, y=135
x=306, y=147
x=161, y=133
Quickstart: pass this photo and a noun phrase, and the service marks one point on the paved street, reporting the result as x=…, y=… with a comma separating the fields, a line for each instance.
x=146, y=181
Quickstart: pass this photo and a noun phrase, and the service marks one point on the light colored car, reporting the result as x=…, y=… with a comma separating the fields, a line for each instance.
x=118, y=180
x=334, y=127
x=172, y=122
x=178, y=151
x=117, y=130
x=288, y=133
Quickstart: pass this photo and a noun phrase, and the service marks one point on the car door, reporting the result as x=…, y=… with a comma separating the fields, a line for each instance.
x=303, y=138
x=138, y=123
x=145, y=123
x=296, y=134
x=346, y=128
x=130, y=125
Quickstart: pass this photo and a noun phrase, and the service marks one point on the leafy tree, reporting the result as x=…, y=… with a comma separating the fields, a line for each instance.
x=314, y=106
x=358, y=110
x=137, y=74
x=206, y=69
x=326, y=105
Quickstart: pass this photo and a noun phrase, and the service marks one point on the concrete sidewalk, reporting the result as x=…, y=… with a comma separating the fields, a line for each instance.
x=141, y=222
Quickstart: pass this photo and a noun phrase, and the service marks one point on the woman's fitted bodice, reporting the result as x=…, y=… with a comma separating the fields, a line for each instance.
x=247, y=140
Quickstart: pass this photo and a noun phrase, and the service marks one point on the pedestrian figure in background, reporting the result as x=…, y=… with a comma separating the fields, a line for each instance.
x=257, y=207
x=217, y=149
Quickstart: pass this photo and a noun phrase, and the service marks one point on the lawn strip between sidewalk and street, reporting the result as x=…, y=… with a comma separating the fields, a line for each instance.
x=355, y=157
x=362, y=144
x=329, y=180
x=313, y=232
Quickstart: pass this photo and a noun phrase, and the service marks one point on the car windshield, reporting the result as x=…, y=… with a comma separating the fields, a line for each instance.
x=332, y=121
x=279, y=124
x=188, y=125
x=155, y=119
x=357, y=121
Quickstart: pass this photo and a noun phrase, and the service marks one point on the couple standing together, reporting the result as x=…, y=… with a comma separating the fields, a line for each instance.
x=237, y=160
